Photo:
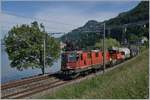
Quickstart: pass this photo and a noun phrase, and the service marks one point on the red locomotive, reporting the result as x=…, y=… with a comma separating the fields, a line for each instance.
x=75, y=63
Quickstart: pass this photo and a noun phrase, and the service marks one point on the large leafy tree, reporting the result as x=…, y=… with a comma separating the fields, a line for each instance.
x=25, y=47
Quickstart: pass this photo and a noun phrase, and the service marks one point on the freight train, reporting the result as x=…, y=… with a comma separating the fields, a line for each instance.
x=79, y=62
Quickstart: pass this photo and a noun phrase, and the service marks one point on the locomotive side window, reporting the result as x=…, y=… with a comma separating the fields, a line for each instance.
x=81, y=56
x=96, y=54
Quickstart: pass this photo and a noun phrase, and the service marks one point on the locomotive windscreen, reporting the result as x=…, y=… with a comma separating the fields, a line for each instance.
x=72, y=57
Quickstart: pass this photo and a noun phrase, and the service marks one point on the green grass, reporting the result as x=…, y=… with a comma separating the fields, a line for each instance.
x=128, y=81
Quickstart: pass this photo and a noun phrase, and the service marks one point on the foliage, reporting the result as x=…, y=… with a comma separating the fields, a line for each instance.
x=129, y=81
x=137, y=32
x=24, y=45
x=108, y=42
x=132, y=37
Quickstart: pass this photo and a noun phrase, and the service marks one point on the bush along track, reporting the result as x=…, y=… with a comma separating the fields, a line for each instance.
x=128, y=81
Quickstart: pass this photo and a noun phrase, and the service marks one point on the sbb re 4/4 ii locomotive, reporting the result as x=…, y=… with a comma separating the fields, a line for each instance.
x=75, y=63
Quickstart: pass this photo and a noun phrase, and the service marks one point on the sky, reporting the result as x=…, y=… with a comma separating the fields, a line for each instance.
x=60, y=16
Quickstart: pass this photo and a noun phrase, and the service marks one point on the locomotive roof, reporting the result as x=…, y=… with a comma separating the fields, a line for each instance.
x=81, y=51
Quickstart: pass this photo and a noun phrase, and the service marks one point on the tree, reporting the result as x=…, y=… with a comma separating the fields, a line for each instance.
x=108, y=42
x=133, y=37
x=24, y=45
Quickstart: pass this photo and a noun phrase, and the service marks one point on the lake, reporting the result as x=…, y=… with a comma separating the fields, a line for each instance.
x=10, y=74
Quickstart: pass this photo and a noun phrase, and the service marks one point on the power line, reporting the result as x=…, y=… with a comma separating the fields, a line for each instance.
x=52, y=12
x=46, y=26
x=5, y=22
x=34, y=18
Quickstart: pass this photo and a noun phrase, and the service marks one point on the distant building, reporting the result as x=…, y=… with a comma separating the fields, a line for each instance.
x=143, y=40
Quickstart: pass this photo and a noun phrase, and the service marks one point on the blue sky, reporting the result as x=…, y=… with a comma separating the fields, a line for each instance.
x=56, y=14
x=32, y=7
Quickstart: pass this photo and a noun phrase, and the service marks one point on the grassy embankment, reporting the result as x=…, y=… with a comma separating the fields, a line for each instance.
x=128, y=81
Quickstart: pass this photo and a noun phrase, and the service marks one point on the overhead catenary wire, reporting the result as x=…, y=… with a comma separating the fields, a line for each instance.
x=52, y=12
x=4, y=22
x=6, y=27
x=34, y=18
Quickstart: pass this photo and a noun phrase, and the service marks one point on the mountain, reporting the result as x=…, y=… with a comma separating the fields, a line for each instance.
x=133, y=20
x=91, y=25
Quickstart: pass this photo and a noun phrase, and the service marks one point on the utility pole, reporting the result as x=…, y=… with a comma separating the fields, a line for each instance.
x=44, y=50
x=104, y=49
x=44, y=54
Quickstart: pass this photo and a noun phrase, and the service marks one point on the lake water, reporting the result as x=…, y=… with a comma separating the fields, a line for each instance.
x=9, y=74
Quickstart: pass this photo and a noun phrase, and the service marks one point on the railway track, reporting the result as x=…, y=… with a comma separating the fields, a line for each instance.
x=12, y=88
x=33, y=90
x=23, y=81
x=39, y=84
